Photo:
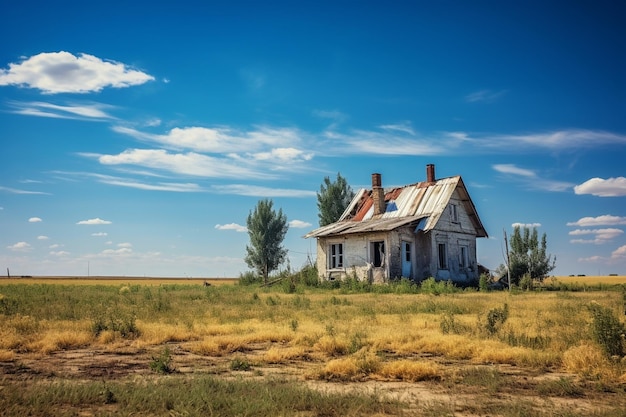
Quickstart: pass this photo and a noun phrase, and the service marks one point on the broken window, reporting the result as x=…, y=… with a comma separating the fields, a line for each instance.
x=464, y=261
x=454, y=213
x=335, y=258
x=443, y=256
x=377, y=254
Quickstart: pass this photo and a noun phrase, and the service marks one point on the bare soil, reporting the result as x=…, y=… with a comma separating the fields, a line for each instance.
x=515, y=385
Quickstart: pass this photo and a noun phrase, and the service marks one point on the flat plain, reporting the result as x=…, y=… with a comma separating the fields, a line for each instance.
x=153, y=346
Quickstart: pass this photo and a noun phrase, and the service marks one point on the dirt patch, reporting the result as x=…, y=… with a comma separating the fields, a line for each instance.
x=465, y=389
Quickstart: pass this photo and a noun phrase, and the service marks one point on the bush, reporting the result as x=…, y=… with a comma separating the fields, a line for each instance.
x=496, y=318
x=432, y=286
x=249, y=278
x=526, y=283
x=483, y=282
x=607, y=330
x=162, y=364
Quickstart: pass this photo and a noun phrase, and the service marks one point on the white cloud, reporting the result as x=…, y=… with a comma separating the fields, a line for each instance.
x=600, y=236
x=610, y=187
x=34, y=220
x=223, y=140
x=59, y=253
x=54, y=246
x=95, y=221
x=42, y=237
x=114, y=252
x=284, y=155
x=20, y=247
x=190, y=163
x=63, y=72
x=257, y=191
x=100, y=234
x=604, y=220
x=299, y=224
x=487, y=96
x=619, y=253
x=527, y=225
x=124, y=245
x=232, y=226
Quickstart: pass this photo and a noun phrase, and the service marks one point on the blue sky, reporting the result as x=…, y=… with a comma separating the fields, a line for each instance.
x=137, y=138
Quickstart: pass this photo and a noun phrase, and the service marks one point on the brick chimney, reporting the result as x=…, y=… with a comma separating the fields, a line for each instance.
x=378, y=194
x=430, y=173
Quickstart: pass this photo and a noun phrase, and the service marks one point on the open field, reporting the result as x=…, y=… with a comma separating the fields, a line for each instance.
x=108, y=280
x=133, y=347
x=594, y=279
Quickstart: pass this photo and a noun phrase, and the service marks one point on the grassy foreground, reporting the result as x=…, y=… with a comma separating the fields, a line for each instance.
x=464, y=343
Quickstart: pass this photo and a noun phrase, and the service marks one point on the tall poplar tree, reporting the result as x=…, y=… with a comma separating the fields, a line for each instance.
x=267, y=230
x=332, y=199
x=528, y=256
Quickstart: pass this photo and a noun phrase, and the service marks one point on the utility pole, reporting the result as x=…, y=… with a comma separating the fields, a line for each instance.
x=508, y=263
x=8, y=274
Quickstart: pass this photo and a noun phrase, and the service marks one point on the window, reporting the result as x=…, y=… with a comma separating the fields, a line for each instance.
x=464, y=261
x=407, y=252
x=454, y=213
x=335, y=258
x=378, y=253
x=443, y=256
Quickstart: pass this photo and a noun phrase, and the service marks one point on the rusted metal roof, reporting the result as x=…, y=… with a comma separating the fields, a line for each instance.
x=404, y=206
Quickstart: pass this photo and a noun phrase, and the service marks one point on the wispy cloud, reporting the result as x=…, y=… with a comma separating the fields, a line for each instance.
x=96, y=221
x=554, y=140
x=91, y=111
x=34, y=220
x=232, y=226
x=99, y=234
x=258, y=191
x=604, y=220
x=63, y=72
x=610, y=187
x=405, y=127
x=487, y=96
x=59, y=253
x=16, y=191
x=42, y=237
x=530, y=179
x=514, y=170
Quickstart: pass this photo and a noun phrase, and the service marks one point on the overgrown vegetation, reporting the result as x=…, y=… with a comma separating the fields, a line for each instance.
x=343, y=331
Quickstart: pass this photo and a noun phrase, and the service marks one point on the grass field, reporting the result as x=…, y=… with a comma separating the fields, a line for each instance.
x=175, y=347
x=106, y=280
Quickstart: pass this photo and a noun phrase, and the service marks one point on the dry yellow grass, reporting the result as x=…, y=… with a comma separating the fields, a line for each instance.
x=593, y=279
x=152, y=281
x=412, y=371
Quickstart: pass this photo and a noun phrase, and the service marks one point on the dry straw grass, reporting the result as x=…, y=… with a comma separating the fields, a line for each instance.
x=413, y=371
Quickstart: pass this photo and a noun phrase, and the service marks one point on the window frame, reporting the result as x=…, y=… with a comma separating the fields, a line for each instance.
x=442, y=255
x=335, y=255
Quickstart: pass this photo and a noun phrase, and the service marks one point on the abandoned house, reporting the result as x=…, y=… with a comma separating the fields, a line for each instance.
x=422, y=230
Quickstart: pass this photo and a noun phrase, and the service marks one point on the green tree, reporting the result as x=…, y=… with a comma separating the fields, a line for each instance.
x=332, y=199
x=528, y=256
x=267, y=230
